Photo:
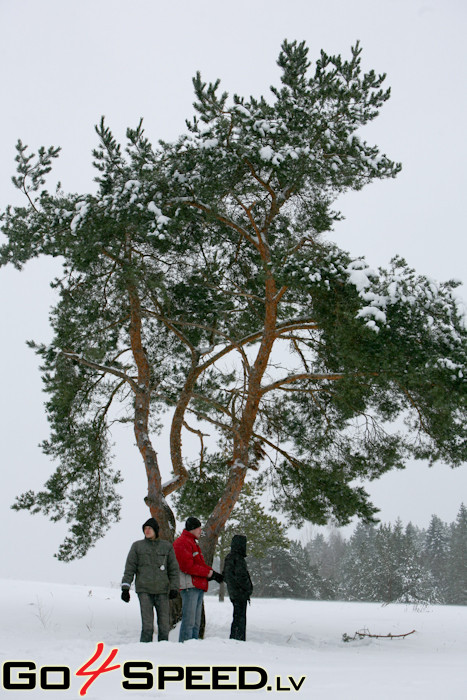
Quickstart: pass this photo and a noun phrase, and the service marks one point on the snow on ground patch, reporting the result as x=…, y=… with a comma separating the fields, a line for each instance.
x=52, y=624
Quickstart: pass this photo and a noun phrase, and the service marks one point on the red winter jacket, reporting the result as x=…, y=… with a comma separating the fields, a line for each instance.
x=191, y=561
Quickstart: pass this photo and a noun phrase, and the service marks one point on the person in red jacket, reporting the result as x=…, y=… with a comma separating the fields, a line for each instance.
x=195, y=575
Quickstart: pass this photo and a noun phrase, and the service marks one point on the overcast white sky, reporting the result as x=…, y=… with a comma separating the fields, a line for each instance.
x=64, y=64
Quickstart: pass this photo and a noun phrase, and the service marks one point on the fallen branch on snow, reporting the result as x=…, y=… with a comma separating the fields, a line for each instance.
x=366, y=633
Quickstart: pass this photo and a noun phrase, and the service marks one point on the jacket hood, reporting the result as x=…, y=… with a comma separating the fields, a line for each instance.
x=238, y=545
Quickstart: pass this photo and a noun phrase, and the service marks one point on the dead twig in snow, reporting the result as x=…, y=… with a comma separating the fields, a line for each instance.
x=366, y=633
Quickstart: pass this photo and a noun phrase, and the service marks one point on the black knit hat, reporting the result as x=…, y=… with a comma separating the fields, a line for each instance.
x=192, y=523
x=152, y=523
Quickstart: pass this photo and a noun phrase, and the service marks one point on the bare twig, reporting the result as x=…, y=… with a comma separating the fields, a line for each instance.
x=365, y=633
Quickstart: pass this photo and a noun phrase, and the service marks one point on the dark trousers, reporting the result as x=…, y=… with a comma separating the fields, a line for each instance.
x=147, y=602
x=238, y=628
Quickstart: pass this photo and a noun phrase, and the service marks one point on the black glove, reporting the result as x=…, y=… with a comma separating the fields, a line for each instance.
x=126, y=595
x=217, y=577
x=173, y=594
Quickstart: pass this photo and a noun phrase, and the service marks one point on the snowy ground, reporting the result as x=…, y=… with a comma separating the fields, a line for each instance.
x=53, y=625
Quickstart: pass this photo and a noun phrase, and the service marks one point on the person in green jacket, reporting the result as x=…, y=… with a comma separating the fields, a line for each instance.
x=154, y=564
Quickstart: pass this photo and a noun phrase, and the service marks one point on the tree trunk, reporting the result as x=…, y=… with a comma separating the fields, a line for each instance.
x=244, y=431
x=155, y=499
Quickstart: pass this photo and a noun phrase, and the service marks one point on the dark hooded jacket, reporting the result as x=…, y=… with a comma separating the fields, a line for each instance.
x=235, y=572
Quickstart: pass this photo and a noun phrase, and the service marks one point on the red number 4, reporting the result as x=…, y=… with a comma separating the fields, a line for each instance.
x=83, y=671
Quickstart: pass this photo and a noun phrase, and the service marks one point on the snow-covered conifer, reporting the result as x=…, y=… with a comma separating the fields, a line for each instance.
x=201, y=279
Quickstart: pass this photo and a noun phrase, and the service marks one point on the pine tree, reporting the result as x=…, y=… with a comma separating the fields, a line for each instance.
x=388, y=558
x=284, y=573
x=416, y=581
x=198, y=278
x=357, y=571
x=273, y=575
x=458, y=559
x=436, y=553
x=309, y=583
x=317, y=550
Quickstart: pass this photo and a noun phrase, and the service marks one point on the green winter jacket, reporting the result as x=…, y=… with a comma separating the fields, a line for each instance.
x=155, y=566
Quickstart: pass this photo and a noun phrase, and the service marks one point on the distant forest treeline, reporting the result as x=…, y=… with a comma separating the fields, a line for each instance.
x=385, y=563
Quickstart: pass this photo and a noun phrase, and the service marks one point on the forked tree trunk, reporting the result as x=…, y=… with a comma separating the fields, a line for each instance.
x=244, y=430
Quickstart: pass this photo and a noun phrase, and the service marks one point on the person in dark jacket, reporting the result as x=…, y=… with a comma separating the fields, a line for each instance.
x=239, y=585
x=154, y=564
x=195, y=575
